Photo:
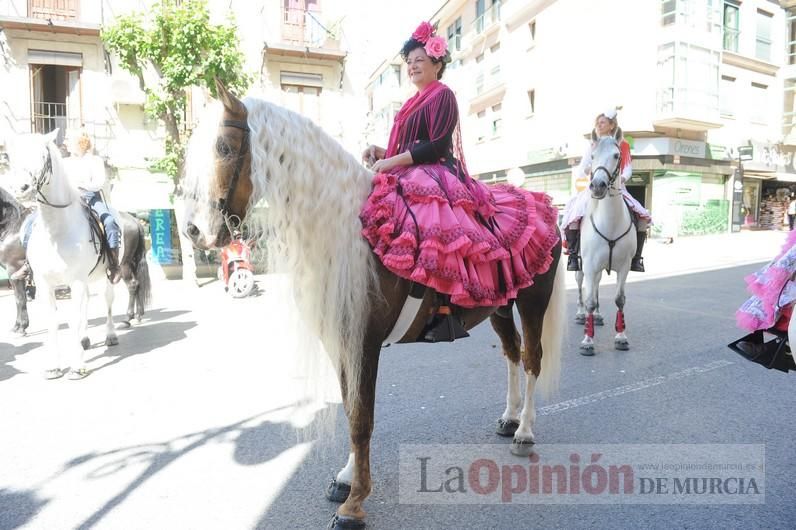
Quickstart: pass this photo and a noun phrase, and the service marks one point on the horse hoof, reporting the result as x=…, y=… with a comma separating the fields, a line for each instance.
x=621, y=345
x=77, y=375
x=337, y=491
x=85, y=343
x=588, y=351
x=580, y=319
x=598, y=321
x=340, y=522
x=521, y=447
x=20, y=332
x=124, y=324
x=111, y=341
x=506, y=427
x=53, y=373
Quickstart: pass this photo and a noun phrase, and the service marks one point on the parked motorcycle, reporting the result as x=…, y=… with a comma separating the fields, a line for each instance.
x=236, y=270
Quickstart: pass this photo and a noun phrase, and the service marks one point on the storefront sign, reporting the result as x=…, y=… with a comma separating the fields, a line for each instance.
x=771, y=157
x=669, y=146
x=160, y=226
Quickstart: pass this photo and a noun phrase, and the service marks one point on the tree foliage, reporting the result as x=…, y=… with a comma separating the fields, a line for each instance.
x=169, y=49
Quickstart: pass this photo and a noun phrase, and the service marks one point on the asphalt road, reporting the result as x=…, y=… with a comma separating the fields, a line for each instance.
x=189, y=423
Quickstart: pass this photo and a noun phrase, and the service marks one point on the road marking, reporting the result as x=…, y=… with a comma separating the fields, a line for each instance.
x=632, y=387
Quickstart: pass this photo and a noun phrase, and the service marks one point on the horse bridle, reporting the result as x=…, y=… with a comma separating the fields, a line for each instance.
x=611, y=175
x=232, y=220
x=42, y=179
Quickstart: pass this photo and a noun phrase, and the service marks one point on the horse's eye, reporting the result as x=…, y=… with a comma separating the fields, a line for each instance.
x=616, y=155
x=222, y=148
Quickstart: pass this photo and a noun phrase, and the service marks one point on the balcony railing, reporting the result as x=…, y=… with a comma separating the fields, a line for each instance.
x=54, y=9
x=48, y=116
x=489, y=17
x=302, y=27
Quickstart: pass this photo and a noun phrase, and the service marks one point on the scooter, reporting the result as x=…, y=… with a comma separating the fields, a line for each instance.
x=236, y=270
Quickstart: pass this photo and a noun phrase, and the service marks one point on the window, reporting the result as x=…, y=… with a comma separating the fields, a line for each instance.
x=494, y=48
x=486, y=16
x=668, y=12
x=455, y=35
x=479, y=58
x=301, y=93
x=480, y=125
x=731, y=26
x=789, y=114
x=497, y=127
x=758, y=103
x=727, y=96
x=763, y=39
x=688, y=80
x=792, y=39
x=531, y=102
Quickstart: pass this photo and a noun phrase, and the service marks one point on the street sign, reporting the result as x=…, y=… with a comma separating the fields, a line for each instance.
x=745, y=152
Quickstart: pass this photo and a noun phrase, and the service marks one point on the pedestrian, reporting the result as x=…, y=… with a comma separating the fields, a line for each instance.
x=792, y=211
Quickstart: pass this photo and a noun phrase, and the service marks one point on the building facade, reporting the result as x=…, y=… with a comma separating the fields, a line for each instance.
x=695, y=80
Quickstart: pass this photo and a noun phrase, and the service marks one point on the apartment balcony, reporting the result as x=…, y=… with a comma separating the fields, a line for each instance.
x=51, y=16
x=488, y=19
x=486, y=26
x=303, y=35
x=687, y=109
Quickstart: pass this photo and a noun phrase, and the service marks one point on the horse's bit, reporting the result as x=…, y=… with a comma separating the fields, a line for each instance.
x=232, y=220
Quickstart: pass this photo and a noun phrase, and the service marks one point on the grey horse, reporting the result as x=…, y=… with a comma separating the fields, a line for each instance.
x=135, y=271
x=12, y=254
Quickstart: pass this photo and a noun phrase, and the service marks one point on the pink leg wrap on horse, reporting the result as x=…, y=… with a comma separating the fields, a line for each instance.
x=620, y=322
x=590, y=325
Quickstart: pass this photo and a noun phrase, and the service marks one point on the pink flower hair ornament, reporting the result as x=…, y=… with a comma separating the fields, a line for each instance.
x=423, y=32
x=436, y=47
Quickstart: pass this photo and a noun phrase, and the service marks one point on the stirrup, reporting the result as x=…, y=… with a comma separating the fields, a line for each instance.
x=573, y=262
x=444, y=327
x=637, y=264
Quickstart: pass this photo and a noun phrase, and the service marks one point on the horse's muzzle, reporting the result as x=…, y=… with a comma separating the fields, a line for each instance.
x=598, y=189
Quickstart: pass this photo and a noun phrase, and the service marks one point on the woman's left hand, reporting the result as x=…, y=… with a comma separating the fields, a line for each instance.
x=383, y=165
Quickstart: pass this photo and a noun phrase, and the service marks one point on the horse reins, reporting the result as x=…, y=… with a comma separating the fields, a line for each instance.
x=223, y=204
x=40, y=181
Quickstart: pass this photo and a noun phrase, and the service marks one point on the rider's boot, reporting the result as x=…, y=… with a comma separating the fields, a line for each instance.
x=573, y=248
x=114, y=271
x=637, y=264
x=21, y=273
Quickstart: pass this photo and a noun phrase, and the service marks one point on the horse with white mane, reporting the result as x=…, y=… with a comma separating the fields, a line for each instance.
x=65, y=248
x=248, y=151
x=607, y=241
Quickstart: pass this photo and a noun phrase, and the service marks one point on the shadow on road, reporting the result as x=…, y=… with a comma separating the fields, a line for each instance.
x=18, y=507
x=8, y=354
x=254, y=445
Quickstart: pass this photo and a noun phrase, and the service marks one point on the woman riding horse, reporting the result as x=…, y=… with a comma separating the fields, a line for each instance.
x=605, y=124
x=428, y=220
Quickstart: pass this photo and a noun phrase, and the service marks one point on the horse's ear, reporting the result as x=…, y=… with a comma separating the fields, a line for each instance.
x=51, y=136
x=618, y=134
x=231, y=103
x=594, y=135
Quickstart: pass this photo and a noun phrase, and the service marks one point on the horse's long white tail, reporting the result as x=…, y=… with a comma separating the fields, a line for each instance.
x=553, y=332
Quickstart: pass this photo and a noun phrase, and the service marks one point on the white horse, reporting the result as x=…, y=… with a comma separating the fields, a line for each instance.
x=63, y=247
x=607, y=241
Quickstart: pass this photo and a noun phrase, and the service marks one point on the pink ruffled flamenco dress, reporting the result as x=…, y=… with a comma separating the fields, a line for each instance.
x=433, y=224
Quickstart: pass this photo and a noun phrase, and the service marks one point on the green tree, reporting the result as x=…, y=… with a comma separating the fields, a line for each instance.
x=169, y=49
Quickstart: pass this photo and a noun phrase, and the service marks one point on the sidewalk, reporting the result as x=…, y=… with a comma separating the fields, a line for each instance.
x=688, y=255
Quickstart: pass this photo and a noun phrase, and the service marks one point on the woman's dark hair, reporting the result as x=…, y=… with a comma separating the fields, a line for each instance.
x=413, y=44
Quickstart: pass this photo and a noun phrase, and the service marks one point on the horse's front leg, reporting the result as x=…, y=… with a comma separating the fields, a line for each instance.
x=110, y=333
x=532, y=322
x=620, y=340
x=350, y=514
x=580, y=315
x=509, y=421
x=52, y=356
x=80, y=298
x=592, y=281
x=21, y=298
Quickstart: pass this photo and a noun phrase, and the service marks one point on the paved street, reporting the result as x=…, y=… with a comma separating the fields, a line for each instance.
x=190, y=423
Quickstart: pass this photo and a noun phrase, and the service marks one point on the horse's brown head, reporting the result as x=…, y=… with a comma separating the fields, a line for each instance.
x=230, y=186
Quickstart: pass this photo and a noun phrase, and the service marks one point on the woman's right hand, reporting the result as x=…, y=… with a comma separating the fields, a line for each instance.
x=372, y=154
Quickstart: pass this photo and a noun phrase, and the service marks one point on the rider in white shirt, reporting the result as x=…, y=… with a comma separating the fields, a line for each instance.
x=86, y=171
